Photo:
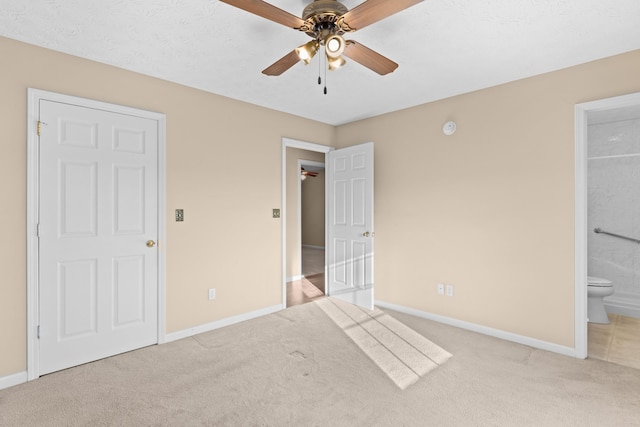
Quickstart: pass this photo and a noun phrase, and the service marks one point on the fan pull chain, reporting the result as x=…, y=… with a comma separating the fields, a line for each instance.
x=325, y=73
x=319, y=70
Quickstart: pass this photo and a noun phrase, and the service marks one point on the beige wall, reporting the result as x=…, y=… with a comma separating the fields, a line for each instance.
x=489, y=209
x=313, y=210
x=217, y=171
x=294, y=235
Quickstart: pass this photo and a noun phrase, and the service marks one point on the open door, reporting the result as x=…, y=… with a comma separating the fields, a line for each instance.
x=350, y=224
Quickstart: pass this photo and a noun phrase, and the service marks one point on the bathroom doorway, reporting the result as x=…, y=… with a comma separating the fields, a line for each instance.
x=607, y=225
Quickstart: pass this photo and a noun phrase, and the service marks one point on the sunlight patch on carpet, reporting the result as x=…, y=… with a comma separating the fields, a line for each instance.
x=402, y=353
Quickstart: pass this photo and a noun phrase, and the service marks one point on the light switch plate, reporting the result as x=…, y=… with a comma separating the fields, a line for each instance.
x=276, y=213
x=179, y=214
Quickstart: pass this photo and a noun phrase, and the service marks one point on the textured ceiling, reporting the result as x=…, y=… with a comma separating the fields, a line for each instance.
x=444, y=47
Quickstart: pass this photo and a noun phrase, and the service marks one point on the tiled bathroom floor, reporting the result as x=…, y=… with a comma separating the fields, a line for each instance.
x=617, y=342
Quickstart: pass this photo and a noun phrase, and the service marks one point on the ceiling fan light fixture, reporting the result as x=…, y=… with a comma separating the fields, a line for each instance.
x=335, y=63
x=324, y=21
x=307, y=51
x=334, y=46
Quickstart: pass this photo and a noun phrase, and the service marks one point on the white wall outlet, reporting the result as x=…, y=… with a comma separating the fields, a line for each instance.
x=440, y=289
x=449, y=290
x=212, y=294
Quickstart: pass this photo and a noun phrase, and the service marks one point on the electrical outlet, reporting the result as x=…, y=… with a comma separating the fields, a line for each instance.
x=440, y=289
x=212, y=294
x=449, y=290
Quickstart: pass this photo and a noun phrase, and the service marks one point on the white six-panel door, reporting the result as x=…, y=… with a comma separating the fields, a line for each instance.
x=351, y=232
x=98, y=225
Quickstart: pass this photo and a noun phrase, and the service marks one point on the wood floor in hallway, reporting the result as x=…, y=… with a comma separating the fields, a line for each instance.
x=311, y=287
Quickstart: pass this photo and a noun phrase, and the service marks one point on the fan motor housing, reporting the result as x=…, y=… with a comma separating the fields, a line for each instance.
x=321, y=17
x=324, y=7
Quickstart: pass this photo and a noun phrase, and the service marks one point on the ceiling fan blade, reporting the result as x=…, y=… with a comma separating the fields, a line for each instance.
x=267, y=11
x=369, y=58
x=308, y=173
x=282, y=64
x=374, y=10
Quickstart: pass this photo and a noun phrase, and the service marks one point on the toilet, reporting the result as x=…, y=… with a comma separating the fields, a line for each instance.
x=597, y=289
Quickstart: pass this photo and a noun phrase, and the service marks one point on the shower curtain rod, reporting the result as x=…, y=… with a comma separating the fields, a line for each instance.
x=599, y=230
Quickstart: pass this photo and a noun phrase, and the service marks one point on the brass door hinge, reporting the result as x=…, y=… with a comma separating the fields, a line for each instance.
x=40, y=126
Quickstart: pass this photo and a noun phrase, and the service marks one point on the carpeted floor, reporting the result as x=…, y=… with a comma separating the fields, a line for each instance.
x=298, y=368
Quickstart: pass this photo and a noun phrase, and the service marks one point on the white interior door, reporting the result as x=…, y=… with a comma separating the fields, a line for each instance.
x=350, y=231
x=98, y=276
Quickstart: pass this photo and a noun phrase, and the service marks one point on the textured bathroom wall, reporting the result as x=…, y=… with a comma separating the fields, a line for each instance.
x=614, y=205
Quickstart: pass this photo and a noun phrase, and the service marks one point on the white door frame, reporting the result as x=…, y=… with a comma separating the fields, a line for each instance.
x=287, y=142
x=34, y=96
x=581, y=258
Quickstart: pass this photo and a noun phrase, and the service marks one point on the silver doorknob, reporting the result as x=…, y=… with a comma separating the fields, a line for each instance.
x=150, y=243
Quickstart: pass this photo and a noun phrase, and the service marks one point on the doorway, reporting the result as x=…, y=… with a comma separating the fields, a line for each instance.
x=96, y=206
x=303, y=222
x=593, y=152
x=349, y=226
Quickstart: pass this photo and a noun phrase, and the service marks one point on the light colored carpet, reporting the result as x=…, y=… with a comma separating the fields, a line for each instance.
x=298, y=368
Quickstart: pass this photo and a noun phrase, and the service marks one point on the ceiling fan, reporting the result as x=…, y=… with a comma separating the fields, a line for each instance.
x=305, y=173
x=325, y=21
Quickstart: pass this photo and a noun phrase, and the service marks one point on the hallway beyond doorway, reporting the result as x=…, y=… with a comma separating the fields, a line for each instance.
x=311, y=286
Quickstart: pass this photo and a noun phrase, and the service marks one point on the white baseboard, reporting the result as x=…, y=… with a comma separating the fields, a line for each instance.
x=313, y=247
x=507, y=336
x=294, y=278
x=624, y=304
x=13, y=379
x=173, y=336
